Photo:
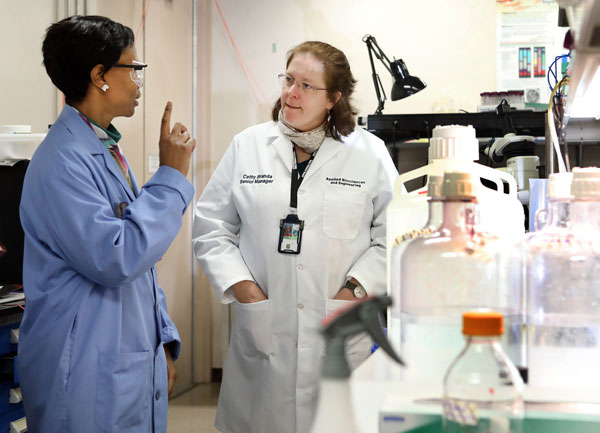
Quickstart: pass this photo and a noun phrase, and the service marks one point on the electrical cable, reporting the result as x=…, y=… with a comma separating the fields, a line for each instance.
x=245, y=70
x=553, y=136
x=142, y=24
x=553, y=71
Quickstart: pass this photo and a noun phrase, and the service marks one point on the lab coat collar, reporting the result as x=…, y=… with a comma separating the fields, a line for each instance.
x=87, y=139
x=283, y=146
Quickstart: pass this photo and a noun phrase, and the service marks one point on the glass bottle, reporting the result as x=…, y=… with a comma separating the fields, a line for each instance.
x=456, y=268
x=482, y=388
x=434, y=192
x=562, y=277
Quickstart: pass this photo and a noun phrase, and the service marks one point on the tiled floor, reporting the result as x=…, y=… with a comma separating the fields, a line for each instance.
x=194, y=411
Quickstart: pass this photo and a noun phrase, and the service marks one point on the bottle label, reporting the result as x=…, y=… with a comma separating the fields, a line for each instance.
x=461, y=411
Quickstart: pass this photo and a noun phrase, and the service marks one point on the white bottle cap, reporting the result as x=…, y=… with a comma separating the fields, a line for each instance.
x=454, y=142
x=559, y=186
x=458, y=185
x=586, y=183
x=434, y=186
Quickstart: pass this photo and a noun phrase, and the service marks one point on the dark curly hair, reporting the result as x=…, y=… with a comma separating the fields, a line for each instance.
x=338, y=78
x=73, y=46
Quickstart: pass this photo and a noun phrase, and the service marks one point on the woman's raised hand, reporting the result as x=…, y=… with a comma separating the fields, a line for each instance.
x=175, y=145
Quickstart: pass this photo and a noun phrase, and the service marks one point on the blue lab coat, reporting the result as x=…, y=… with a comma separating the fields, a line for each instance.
x=91, y=355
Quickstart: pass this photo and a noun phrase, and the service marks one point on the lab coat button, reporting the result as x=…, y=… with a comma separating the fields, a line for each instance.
x=299, y=267
x=157, y=395
x=300, y=306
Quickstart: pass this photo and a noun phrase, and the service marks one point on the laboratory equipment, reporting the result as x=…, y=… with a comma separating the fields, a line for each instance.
x=562, y=277
x=458, y=267
x=335, y=410
x=404, y=83
x=482, y=388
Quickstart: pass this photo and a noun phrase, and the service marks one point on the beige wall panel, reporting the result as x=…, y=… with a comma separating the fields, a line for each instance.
x=27, y=96
x=202, y=171
x=168, y=41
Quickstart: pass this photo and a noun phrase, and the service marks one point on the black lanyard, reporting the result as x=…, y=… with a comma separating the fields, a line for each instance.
x=297, y=179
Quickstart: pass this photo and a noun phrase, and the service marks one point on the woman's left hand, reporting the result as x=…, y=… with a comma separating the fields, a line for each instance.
x=171, y=372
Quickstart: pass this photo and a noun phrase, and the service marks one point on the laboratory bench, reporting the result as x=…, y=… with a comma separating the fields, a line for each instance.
x=383, y=403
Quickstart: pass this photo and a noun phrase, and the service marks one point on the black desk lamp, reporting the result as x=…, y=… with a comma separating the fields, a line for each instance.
x=404, y=83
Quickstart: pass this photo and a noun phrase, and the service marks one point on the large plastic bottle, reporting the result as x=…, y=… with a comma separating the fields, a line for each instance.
x=482, y=388
x=455, y=148
x=562, y=268
x=456, y=268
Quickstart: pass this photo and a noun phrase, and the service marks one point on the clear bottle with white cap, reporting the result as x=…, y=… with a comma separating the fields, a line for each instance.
x=434, y=194
x=562, y=279
x=456, y=268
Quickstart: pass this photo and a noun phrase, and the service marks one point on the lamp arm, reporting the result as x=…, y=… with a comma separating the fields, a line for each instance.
x=374, y=47
x=371, y=42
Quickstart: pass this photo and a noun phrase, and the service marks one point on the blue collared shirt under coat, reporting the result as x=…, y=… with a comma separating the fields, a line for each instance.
x=91, y=355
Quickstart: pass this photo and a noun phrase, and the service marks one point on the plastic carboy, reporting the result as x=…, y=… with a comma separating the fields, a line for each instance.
x=455, y=148
x=458, y=267
x=483, y=391
x=562, y=268
x=434, y=193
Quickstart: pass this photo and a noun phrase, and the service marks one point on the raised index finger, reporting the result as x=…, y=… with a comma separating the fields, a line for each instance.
x=165, y=123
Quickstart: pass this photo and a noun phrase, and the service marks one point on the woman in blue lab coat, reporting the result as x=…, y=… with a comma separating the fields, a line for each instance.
x=96, y=343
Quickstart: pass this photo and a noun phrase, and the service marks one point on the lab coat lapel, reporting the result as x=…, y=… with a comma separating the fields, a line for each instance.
x=329, y=149
x=77, y=126
x=114, y=169
x=282, y=145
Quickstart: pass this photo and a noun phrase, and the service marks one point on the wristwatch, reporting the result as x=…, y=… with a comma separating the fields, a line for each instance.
x=359, y=291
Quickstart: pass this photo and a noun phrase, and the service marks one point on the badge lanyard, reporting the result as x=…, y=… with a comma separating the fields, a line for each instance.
x=290, y=228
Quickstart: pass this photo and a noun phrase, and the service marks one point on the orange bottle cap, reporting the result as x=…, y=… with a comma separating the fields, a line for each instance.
x=482, y=323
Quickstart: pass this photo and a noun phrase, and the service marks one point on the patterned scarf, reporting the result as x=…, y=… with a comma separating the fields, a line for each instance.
x=307, y=141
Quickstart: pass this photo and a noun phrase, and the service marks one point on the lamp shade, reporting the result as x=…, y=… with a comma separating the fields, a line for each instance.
x=404, y=83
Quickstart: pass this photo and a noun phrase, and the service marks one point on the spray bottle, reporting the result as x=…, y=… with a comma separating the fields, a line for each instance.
x=335, y=397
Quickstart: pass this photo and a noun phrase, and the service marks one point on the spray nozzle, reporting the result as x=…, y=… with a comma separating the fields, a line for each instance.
x=362, y=316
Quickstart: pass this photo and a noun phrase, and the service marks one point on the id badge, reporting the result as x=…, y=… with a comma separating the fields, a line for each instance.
x=290, y=234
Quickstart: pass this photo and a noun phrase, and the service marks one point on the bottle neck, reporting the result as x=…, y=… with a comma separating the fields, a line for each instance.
x=585, y=214
x=435, y=212
x=460, y=215
x=559, y=211
x=482, y=339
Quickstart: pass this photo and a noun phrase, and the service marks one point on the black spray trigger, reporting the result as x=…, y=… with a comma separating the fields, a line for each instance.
x=370, y=317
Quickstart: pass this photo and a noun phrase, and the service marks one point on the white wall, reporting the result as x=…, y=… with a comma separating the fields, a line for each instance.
x=449, y=44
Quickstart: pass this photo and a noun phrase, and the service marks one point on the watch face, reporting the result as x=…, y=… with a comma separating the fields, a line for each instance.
x=360, y=292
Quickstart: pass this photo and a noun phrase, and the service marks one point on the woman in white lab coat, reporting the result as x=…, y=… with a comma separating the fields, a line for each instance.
x=291, y=227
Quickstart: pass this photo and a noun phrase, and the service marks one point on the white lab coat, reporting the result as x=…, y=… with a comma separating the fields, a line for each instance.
x=270, y=382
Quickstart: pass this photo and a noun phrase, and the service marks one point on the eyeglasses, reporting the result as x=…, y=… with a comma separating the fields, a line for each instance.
x=287, y=82
x=136, y=73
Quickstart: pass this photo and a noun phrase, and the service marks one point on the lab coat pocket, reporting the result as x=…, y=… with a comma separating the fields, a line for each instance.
x=122, y=391
x=342, y=213
x=358, y=348
x=252, y=328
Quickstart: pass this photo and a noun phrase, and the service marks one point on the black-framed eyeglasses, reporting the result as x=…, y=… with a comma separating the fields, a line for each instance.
x=287, y=82
x=136, y=73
